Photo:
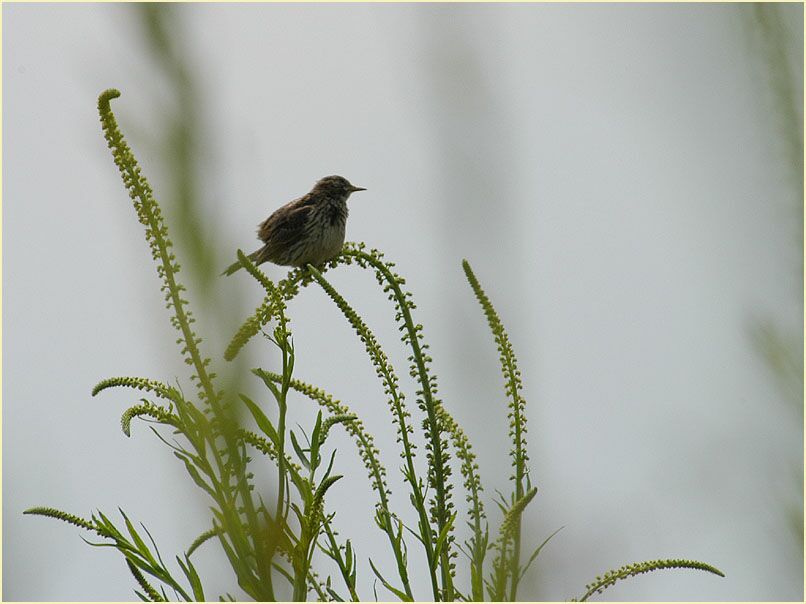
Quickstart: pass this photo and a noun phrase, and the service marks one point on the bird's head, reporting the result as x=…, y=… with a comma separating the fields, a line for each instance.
x=335, y=186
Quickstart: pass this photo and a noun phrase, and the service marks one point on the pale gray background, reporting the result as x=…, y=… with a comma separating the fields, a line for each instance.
x=614, y=173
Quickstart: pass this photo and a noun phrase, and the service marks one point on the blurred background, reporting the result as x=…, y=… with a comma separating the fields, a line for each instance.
x=626, y=181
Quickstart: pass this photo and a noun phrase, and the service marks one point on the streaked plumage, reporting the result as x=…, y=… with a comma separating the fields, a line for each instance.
x=308, y=230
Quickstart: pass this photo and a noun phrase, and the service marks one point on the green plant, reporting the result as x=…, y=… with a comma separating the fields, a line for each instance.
x=273, y=541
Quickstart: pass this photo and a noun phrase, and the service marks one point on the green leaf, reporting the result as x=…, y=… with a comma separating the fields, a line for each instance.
x=268, y=382
x=193, y=578
x=443, y=535
x=262, y=421
x=299, y=450
x=400, y=594
x=194, y=474
x=140, y=545
x=329, y=466
x=537, y=552
x=315, y=441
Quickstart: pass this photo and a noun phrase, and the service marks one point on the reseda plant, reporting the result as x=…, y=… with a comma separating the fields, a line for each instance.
x=270, y=544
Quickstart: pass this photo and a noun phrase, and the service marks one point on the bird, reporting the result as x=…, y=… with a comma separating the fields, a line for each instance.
x=307, y=230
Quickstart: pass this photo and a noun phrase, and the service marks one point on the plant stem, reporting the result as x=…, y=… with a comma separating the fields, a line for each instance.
x=434, y=430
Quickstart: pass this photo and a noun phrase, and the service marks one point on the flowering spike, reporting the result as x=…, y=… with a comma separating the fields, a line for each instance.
x=630, y=570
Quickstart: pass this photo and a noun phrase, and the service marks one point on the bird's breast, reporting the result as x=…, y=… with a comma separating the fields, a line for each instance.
x=325, y=234
x=332, y=240
x=336, y=214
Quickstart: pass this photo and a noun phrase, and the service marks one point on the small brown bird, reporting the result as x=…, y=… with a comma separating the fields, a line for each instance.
x=308, y=230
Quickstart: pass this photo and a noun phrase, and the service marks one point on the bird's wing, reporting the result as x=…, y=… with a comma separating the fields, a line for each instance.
x=284, y=226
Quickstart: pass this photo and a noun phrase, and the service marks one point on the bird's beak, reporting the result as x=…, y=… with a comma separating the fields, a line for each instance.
x=354, y=189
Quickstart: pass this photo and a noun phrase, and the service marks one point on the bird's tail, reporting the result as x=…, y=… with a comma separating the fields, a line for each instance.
x=236, y=266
